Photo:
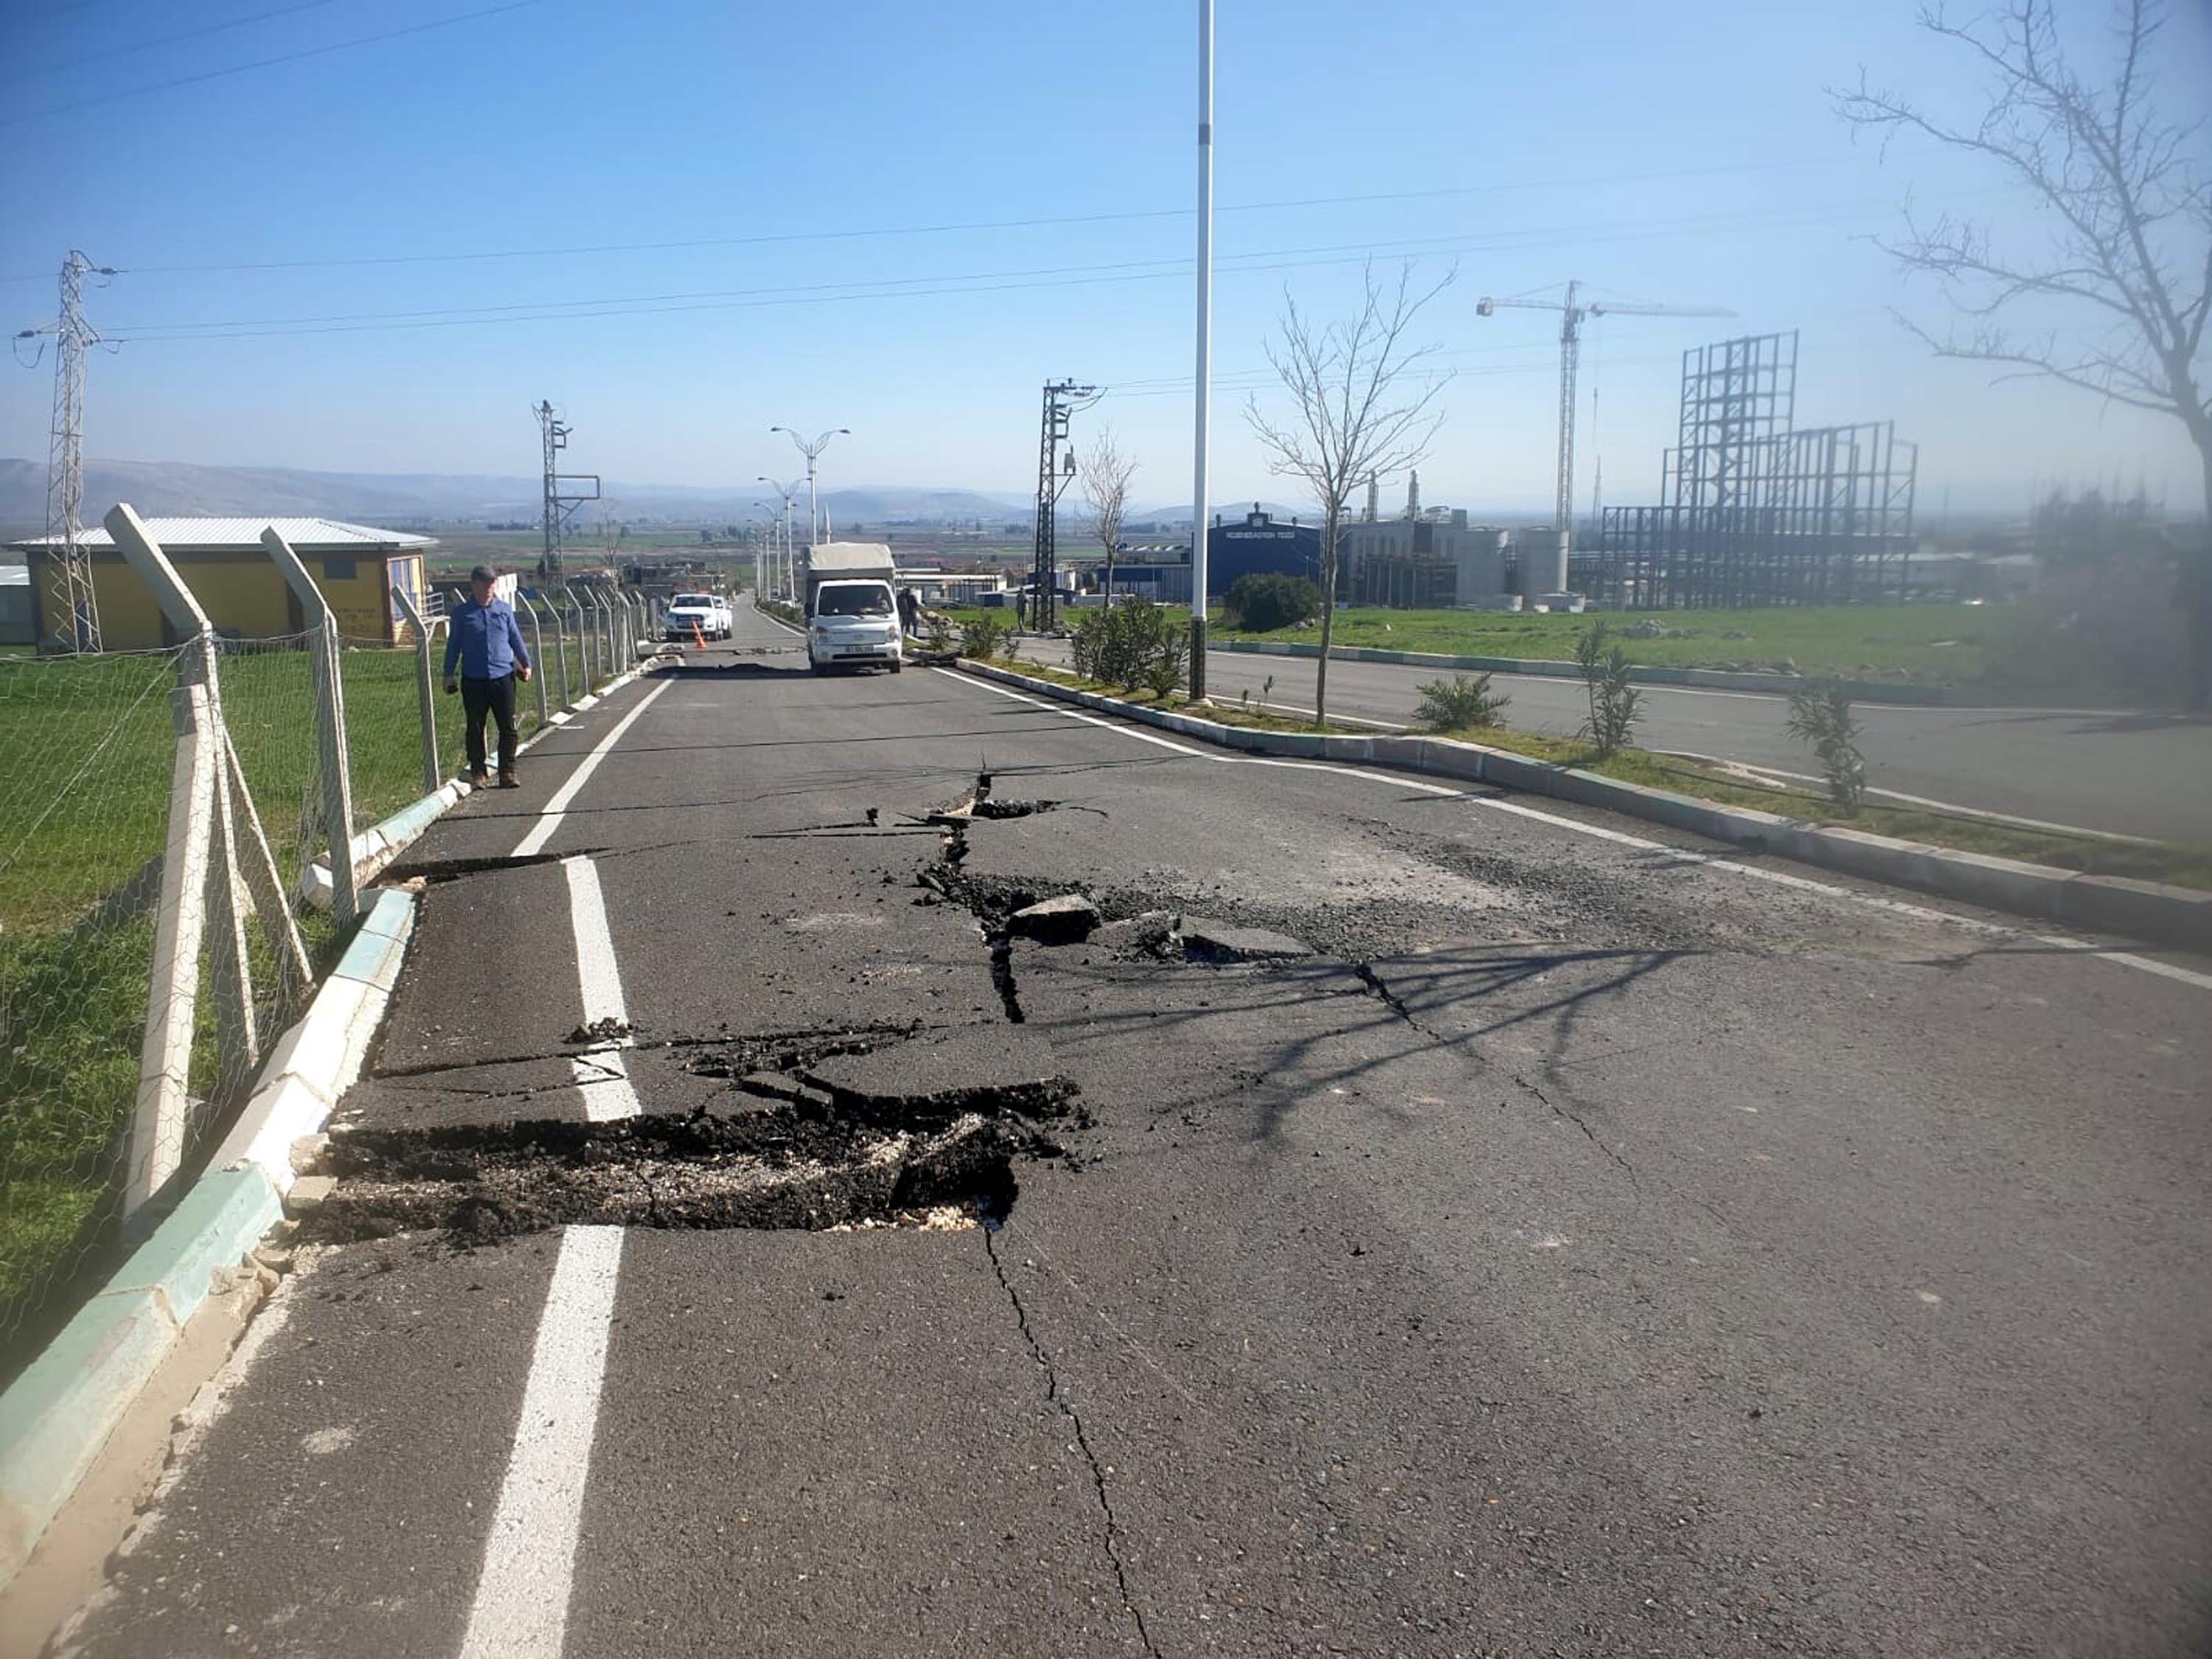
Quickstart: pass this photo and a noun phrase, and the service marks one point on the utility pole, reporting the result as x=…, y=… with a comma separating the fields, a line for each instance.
x=1199, y=456
x=559, y=503
x=69, y=575
x=1061, y=402
x=811, y=452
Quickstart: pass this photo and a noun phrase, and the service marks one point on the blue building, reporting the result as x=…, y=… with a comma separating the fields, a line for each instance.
x=1260, y=543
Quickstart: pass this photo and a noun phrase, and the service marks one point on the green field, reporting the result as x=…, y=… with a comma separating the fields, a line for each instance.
x=1920, y=644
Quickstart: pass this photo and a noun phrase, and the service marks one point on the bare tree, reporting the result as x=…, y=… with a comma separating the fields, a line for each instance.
x=2126, y=245
x=1106, y=475
x=1351, y=416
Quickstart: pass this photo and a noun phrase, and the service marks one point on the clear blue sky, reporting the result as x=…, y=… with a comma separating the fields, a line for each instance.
x=1681, y=154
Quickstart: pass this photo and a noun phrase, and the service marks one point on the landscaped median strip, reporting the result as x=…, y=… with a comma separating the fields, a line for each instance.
x=2148, y=910
x=58, y=1415
x=1719, y=679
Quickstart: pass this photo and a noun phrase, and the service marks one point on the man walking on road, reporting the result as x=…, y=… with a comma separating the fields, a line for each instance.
x=483, y=637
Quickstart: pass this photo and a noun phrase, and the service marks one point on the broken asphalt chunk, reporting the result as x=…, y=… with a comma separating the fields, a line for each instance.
x=1055, y=921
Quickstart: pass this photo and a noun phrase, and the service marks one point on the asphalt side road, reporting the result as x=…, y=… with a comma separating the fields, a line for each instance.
x=1478, y=1229
x=2127, y=773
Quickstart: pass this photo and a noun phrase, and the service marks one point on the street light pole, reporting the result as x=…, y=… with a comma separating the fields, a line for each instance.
x=811, y=451
x=1199, y=490
x=790, y=493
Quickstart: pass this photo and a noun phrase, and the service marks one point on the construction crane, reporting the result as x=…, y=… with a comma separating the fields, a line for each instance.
x=1571, y=312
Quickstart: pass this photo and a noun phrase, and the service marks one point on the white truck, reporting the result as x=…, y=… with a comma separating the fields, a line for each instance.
x=693, y=617
x=852, y=607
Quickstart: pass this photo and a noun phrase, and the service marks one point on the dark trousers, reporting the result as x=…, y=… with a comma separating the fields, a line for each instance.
x=496, y=699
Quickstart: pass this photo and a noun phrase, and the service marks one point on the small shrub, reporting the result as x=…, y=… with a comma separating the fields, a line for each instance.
x=1464, y=700
x=1821, y=716
x=936, y=632
x=982, y=637
x=1264, y=600
x=1615, y=701
x=1165, y=670
x=1123, y=645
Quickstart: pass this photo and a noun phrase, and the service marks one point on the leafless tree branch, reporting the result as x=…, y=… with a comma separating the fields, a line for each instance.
x=1106, y=473
x=1360, y=403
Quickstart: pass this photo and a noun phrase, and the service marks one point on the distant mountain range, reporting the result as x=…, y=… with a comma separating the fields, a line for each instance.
x=433, y=500
x=454, y=501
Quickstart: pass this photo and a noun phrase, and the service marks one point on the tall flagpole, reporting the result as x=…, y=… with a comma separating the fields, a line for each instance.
x=1199, y=486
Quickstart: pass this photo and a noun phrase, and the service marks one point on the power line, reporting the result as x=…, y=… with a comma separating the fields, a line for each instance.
x=265, y=62
x=150, y=44
x=688, y=244
x=971, y=282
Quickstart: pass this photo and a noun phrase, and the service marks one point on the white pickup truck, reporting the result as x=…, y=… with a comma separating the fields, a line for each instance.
x=696, y=617
x=852, y=607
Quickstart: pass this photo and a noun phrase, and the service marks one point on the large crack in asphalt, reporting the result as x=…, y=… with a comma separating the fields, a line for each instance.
x=788, y=1145
x=1058, y=1397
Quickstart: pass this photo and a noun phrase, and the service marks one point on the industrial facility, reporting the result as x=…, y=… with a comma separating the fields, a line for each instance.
x=1755, y=510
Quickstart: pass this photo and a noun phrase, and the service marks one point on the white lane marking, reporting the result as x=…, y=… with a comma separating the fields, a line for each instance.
x=600, y=1073
x=521, y=1607
x=549, y=820
x=1684, y=854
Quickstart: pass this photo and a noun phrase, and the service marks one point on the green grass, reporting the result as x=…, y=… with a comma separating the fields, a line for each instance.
x=86, y=749
x=1920, y=644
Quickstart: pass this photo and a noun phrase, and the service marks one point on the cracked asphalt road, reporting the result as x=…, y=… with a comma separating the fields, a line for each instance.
x=1586, y=1250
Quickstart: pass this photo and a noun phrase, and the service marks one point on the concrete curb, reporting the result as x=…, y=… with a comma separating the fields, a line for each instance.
x=1716, y=679
x=377, y=845
x=2178, y=916
x=55, y=1416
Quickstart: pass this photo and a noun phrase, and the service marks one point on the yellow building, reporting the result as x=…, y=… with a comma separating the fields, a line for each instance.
x=237, y=584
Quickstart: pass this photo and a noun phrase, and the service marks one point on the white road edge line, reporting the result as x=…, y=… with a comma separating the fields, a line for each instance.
x=550, y=819
x=521, y=1604
x=1688, y=855
x=600, y=1073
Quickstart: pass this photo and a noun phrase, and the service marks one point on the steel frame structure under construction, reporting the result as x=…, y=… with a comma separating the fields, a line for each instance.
x=1755, y=511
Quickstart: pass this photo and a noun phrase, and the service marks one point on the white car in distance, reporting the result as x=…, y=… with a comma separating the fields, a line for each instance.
x=697, y=616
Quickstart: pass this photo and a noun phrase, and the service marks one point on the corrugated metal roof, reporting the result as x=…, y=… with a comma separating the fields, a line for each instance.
x=243, y=536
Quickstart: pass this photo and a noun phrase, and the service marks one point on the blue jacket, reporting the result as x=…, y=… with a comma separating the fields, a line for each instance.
x=486, y=640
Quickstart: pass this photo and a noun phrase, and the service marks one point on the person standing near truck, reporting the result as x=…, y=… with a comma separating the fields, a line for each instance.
x=484, y=638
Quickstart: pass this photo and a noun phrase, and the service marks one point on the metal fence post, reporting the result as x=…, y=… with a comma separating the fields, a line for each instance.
x=337, y=764
x=583, y=641
x=537, y=654
x=561, y=650
x=238, y=1044
x=425, y=692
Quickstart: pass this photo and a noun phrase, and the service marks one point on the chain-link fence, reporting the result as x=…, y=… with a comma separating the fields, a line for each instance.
x=85, y=744
x=149, y=960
